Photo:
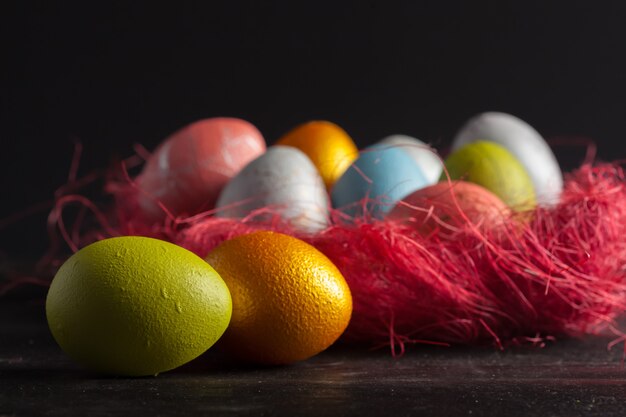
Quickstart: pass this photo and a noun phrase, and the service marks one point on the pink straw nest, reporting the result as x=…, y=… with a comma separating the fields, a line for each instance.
x=549, y=272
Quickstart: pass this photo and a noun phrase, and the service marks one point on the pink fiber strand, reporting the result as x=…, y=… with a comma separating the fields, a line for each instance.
x=552, y=271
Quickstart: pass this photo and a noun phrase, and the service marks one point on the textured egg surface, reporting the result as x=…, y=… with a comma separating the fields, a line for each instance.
x=136, y=306
x=284, y=181
x=290, y=301
x=188, y=171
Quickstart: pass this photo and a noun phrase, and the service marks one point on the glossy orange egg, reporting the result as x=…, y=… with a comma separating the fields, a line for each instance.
x=330, y=148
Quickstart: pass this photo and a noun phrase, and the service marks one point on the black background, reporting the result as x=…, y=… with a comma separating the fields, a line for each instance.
x=117, y=74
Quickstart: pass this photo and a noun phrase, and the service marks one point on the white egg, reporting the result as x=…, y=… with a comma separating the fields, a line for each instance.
x=285, y=181
x=426, y=157
x=525, y=143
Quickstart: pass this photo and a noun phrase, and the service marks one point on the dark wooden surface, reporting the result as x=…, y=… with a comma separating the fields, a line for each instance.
x=567, y=378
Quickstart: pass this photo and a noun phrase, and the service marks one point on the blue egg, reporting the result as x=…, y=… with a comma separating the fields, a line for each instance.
x=380, y=177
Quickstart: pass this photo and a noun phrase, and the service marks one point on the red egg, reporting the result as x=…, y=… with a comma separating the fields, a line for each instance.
x=189, y=169
x=445, y=205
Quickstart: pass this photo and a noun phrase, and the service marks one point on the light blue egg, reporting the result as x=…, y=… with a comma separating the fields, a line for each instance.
x=381, y=174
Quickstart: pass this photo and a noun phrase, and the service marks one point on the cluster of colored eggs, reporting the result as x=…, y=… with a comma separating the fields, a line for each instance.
x=140, y=306
x=222, y=164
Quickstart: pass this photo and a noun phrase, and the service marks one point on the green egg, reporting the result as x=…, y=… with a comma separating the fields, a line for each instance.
x=493, y=167
x=136, y=306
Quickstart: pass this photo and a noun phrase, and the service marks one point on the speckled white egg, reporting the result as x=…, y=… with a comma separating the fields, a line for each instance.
x=285, y=181
x=525, y=143
x=426, y=157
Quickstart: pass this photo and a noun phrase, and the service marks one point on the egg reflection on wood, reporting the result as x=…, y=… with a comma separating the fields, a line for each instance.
x=187, y=172
x=525, y=143
x=379, y=177
x=283, y=180
x=425, y=156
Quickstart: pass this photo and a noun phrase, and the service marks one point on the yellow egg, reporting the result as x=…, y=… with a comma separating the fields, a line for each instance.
x=330, y=148
x=136, y=306
x=492, y=166
x=290, y=301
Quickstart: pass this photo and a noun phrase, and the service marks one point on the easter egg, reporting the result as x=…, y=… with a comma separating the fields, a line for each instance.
x=382, y=175
x=136, y=306
x=189, y=169
x=425, y=156
x=448, y=204
x=330, y=148
x=282, y=180
x=526, y=145
x=290, y=301
x=493, y=167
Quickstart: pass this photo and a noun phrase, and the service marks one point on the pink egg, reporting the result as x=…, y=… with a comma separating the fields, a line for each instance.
x=189, y=169
x=435, y=207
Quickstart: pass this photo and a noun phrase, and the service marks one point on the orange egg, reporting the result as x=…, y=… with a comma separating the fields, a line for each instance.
x=330, y=148
x=290, y=301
